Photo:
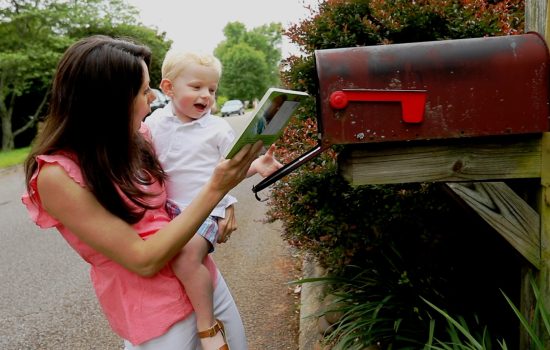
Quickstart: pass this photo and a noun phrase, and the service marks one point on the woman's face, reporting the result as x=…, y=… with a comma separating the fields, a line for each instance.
x=143, y=100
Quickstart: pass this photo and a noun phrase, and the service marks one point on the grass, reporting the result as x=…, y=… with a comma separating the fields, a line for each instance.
x=14, y=157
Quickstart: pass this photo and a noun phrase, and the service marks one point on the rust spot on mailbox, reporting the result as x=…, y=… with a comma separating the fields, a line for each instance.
x=433, y=90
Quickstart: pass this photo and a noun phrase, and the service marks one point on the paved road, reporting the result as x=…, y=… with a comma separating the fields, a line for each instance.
x=46, y=299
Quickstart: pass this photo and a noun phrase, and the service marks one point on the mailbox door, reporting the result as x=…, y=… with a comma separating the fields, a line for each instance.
x=433, y=90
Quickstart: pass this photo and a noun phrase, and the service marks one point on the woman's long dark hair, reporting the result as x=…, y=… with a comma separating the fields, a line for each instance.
x=90, y=116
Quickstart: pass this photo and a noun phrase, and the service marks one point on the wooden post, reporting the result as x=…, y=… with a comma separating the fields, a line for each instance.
x=537, y=18
x=543, y=274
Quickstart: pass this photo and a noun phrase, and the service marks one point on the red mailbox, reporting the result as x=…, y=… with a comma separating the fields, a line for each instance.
x=433, y=90
x=429, y=90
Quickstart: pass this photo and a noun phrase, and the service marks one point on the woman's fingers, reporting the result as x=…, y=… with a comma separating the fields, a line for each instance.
x=230, y=172
x=249, y=152
x=244, y=158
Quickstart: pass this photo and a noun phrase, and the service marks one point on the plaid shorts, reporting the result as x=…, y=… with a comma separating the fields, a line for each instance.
x=208, y=229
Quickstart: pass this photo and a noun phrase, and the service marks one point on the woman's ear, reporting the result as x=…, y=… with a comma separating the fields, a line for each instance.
x=167, y=87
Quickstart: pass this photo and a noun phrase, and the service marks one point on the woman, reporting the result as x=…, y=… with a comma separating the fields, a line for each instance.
x=93, y=175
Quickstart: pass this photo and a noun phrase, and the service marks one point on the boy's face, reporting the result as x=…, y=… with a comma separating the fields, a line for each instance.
x=193, y=91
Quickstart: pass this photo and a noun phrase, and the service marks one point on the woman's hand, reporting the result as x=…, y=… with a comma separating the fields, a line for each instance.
x=230, y=172
x=227, y=225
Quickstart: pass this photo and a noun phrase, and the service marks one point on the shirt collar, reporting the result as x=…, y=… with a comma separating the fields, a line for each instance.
x=203, y=121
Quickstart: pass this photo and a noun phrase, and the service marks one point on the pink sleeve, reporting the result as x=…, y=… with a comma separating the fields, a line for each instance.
x=31, y=199
x=144, y=129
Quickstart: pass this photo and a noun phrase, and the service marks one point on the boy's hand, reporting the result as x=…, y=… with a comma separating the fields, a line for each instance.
x=265, y=164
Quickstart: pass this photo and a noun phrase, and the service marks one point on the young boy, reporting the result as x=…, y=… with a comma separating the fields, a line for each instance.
x=189, y=142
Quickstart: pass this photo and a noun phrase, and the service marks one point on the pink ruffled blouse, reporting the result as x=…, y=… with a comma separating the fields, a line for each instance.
x=137, y=308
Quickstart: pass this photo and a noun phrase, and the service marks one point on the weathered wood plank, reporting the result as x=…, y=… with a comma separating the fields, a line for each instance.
x=442, y=161
x=536, y=16
x=507, y=213
x=537, y=19
x=543, y=276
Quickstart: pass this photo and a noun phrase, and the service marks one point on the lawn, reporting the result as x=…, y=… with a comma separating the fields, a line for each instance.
x=10, y=158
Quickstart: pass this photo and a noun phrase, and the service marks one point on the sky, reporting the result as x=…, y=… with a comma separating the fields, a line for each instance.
x=198, y=25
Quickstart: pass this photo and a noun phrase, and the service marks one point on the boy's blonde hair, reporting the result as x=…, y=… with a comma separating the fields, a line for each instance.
x=175, y=62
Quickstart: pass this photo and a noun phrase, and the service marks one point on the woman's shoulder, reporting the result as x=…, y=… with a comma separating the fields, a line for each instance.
x=51, y=168
x=64, y=161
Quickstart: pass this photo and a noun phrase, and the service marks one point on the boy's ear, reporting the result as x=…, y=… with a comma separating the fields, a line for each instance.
x=167, y=87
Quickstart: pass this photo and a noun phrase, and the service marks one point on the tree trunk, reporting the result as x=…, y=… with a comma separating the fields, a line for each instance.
x=7, y=133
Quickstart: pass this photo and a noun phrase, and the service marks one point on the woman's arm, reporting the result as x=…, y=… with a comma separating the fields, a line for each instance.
x=78, y=210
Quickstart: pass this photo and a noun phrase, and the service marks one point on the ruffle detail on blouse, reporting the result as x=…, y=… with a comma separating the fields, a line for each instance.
x=31, y=199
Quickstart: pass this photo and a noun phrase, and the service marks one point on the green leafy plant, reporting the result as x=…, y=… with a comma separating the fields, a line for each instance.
x=372, y=311
x=379, y=303
x=541, y=311
x=460, y=335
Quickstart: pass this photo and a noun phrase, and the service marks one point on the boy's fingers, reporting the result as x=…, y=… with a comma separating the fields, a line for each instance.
x=271, y=150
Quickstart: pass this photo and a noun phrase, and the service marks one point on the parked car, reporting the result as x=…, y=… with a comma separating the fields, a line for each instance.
x=160, y=101
x=232, y=107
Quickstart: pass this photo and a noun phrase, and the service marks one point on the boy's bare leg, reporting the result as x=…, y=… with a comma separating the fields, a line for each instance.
x=195, y=277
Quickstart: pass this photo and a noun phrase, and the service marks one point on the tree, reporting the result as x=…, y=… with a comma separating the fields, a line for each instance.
x=250, y=60
x=157, y=42
x=34, y=34
x=27, y=59
x=244, y=73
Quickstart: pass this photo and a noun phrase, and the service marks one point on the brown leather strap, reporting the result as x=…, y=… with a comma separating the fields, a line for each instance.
x=212, y=331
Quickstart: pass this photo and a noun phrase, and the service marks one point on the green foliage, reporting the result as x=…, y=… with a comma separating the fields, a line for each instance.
x=385, y=303
x=377, y=306
x=34, y=34
x=157, y=42
x=372, y=312
x=14, y=157
x=244, y=69
x=250, y=60
x=460, y=336
x=340, y=226
x=541, y=311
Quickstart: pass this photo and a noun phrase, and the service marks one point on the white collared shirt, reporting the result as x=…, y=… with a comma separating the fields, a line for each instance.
x=189, y=152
